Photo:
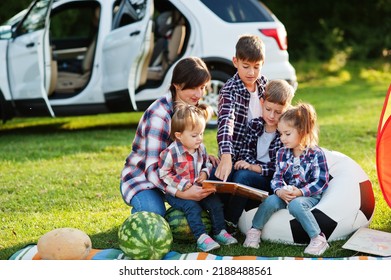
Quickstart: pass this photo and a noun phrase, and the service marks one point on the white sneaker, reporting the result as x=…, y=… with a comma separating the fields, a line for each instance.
x=253, y=238
x=317, y=246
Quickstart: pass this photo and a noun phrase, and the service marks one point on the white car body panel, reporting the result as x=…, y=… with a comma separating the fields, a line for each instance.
x=120, y=54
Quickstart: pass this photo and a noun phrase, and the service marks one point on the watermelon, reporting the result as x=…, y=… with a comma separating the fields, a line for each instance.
x=180, y=229
x=145, y=236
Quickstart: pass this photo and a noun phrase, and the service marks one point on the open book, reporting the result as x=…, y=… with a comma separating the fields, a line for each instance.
x=235, y=189
x=370, y=241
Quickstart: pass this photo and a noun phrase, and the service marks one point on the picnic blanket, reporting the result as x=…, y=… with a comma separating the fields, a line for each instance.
x=30, y=252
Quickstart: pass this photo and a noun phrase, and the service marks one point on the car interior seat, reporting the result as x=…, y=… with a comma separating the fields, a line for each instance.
x=171, y=29
x=53, y=75
x=69, y=81
x=148, y=51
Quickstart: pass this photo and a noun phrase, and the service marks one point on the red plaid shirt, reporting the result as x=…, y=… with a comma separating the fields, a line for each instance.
x=152, y=137
x=176, y=166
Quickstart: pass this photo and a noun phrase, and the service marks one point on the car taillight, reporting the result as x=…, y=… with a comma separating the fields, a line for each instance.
x=279, y=34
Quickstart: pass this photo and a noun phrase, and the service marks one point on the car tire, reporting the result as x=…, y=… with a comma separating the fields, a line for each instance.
x=212, y=96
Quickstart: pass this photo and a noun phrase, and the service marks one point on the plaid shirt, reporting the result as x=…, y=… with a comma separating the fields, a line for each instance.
x=249, y=150
x=311, y=177
x=234, y=99
x=176, y=166
x=152, y=137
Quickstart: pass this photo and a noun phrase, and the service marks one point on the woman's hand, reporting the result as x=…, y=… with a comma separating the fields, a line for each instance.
x=196, y=193
x=214, y=160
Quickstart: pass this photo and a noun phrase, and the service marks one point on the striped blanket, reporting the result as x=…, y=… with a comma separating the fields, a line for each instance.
x=30, y=252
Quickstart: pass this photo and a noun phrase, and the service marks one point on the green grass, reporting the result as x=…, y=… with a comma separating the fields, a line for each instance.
x=64, y=172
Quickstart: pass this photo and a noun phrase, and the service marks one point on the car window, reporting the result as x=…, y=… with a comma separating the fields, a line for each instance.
x=35, y=19
x=239, y=11
x=128, y=12
x=74, y=22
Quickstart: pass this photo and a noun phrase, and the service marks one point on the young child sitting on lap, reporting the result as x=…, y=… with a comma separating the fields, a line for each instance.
x=184, y=165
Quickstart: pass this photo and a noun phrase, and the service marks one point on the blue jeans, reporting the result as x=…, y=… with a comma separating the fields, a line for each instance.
x=151, y=200
x=300, y=208
x=236, y=204
x=193, y=210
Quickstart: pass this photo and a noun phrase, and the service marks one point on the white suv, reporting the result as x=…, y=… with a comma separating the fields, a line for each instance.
x=78, y=57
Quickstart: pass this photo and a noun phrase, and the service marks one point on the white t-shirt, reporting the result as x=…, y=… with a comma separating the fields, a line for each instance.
x=254, y=108
x=263, y=146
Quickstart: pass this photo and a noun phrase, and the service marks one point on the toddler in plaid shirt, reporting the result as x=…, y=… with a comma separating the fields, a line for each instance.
x=184, y=165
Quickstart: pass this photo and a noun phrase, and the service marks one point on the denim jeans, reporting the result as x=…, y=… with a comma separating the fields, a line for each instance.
x=236, y=204
x=151, y=200
x=193, y=210
x=300, y=208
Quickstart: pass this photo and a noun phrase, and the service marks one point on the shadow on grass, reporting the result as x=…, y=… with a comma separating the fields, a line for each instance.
x=62, y=128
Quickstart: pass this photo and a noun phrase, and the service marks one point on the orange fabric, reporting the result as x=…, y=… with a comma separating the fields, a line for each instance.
x=202, y=256
x=92, y=253
x=36, y=257
x=383, y=149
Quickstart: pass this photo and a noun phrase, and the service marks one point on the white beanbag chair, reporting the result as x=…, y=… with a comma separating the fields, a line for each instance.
x=346, y=205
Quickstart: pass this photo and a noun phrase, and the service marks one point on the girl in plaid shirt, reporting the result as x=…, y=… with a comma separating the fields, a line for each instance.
x=140, y=185
x=300, y=179
x=183, y=166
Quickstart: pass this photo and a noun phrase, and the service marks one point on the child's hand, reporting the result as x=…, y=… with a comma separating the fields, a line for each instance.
x=203, y=176
x=224, y=168
x=286, y=195
x=241, y=164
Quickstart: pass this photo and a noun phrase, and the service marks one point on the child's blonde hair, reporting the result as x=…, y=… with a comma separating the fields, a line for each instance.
x=303, y=118
x=250, y=48
x=279, y=92
x=189, y=116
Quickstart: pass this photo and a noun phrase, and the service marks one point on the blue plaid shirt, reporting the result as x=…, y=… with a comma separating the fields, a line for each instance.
x=311, y=176
x=234, y=99
x=152, y=136
x=249, y=150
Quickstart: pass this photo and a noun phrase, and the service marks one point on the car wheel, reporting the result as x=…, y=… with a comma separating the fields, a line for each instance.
x=212, y=95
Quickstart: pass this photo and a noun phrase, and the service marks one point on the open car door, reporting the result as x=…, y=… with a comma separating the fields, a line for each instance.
x=125, y=50
x=28, y=61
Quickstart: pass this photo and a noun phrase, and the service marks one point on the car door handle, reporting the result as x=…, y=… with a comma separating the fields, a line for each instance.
x=30, y=45
x=135, y=33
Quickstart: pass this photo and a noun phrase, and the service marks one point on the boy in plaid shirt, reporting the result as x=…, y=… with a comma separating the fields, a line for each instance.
x=257, y=160
x=184, y=165
x=239, y=101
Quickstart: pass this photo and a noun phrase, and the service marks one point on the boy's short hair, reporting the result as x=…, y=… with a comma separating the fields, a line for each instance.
x=279, y=92
x=250, y=48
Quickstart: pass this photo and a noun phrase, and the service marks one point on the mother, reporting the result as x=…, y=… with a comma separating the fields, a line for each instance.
x=141, y=186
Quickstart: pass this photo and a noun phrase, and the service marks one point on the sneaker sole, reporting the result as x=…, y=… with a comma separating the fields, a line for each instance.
x=319, y=252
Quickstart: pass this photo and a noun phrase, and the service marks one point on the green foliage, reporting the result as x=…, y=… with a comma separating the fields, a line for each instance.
x=320, y=29
x=65, y=172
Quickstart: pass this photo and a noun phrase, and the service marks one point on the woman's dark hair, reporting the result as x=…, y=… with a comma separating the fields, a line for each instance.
x=189, y=72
